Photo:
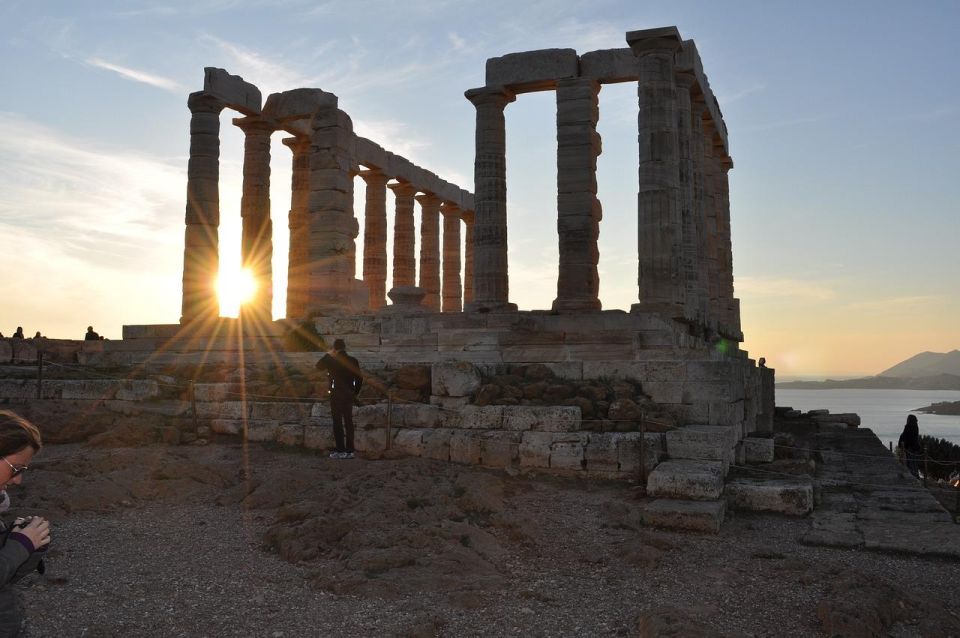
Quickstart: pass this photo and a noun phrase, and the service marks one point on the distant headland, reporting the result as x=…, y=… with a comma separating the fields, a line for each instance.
x=924, y=371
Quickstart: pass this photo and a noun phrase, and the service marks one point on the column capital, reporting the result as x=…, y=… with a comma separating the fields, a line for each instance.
x=203, y=102
x=297, y=144
x=428, y=200
x=449, y=209
x=685, y=80
x=254, y=125
x=468, y=216
x=654, y=40
x=374, y=176
x=490, y=95
x=403, y=189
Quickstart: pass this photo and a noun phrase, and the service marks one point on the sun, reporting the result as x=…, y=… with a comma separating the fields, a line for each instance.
x=234, y=288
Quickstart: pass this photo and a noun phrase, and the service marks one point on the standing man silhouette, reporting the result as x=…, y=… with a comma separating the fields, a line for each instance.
x=345, y=383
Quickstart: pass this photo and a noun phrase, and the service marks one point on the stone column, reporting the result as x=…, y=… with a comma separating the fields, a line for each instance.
x=430, y=249
x=468, y=218
x=730, y=307
x=332, y=224
x=491, y=278
x=451, y=258
x=578, y=210
x=298, y=282
x=256, y=247
x=201, y=243
x=688, y=256
x=375, y=237
x=698, y=111
x=659, y=222
x=711, y=167
x=404, y=261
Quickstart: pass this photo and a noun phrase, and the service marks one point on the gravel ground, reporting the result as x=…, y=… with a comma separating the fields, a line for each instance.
x=226, y=541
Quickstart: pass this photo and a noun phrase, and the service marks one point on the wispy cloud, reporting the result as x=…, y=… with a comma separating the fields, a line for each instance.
x=788, y=123
x=776, y=287
x=726, y=99
x=136, y=75
x=269, y=74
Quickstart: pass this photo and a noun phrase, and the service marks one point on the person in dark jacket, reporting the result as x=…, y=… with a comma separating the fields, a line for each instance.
x=91, y=335
x=345, y=382
x=910, y=444
x=23, y=546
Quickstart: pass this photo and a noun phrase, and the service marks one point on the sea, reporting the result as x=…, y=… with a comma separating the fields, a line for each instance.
x=883, y=411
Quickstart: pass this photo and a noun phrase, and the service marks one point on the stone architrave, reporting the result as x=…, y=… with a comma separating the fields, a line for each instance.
x=256, y=247
x=688, y=260
x=404, y=259
x=659, y=223
x=698, y=110
x=332, y=224
x=451, y=291
x=298, y=283
x=578, y=210
x=491, y=287
x=710, y=169
x=468, y=218
x=201, y=245
x=430, y=249
x=375, y=237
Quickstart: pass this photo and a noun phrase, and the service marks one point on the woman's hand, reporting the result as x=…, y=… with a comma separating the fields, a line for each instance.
x=38, y=531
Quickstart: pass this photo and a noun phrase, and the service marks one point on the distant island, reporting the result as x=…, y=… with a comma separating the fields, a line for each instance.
x=924, y=371
x=943, y=407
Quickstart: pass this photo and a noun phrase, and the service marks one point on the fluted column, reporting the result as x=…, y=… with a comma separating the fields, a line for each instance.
x=375, y=237
x=699, y=109
x=688, y=256
x=256, y=247
x=298, y=282
x=430, y=249
x=578, y=210
x=332, y=224
x=468, y=217
x=729, y=305
x=404, y=260
x=711, y=167
x=659, y=221
x=451, y=258
x=490, y=278
x=201, y=243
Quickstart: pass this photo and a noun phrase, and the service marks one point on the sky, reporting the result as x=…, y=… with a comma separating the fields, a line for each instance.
x=843, y=120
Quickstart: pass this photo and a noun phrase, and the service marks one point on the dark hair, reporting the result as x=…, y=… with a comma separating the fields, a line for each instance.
x=911, y=419
x=16, y=433
x=339, y=345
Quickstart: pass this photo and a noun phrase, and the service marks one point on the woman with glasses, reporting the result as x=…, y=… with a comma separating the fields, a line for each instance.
x=24, y=543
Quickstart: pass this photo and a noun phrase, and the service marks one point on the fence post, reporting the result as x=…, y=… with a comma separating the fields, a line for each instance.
x=643, y=443
x=193, y=405
x=389, y=419
x=39, y=374
x=926, y=466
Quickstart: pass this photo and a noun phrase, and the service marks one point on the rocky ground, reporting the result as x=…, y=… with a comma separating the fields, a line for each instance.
x=227, y=540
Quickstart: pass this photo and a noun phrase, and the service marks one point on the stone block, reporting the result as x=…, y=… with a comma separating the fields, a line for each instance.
x=290, y=434
x=138, y=390
x=318, y=437
x=635, y=370
x=436, y=444
x=367, y=416
x=472, y=417
x=465, y=447
x=320, y=411
x=610, y=65
x=100, y=389
x=532, y=70
x=408, y=442
x=232, y=90
x=704, y=442
x=455, y=379
x=226, y=426
x=297, y=104
x=849, y=418
x=288, y=412
x=262, y=430
x=534, y=449
x=757, y=450
x=370, y=153
x=601, y=452
x=694, y=391
x=699, y=516
x=793, y=497
x=629, y=451
x=664, y=391
x=371, y=441
x=541, y=418
x=213, y=391
x=500, y=449
x=684, y=479
x=450, y=403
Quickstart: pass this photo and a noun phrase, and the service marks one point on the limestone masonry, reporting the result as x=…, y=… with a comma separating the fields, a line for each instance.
x=659, y=391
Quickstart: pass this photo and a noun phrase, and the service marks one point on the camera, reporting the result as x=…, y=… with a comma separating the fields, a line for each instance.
x=23, y=523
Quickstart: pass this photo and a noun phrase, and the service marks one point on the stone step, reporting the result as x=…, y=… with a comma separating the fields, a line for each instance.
x=701, y=516
x=793, y=497
x=757, y=449
x=686, y=479
x=702, y=442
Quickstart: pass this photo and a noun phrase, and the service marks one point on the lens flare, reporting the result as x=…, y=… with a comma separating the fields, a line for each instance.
x=235, y=288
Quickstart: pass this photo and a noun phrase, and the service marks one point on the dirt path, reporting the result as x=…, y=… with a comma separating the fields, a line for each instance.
x=223, y=541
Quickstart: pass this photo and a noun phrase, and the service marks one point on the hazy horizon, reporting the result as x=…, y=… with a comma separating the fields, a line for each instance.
x=843, y=132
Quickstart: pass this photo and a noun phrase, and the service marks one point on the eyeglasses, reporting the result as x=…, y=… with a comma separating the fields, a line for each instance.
x=16, y=470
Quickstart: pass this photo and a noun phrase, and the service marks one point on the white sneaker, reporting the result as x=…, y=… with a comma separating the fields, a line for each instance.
x=347, y=455
x=337, y=455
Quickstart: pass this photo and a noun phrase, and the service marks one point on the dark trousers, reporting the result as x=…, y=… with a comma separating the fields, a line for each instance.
x=341, y=408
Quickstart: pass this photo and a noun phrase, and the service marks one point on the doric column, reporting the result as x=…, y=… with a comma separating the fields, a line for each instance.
x=332, y=224
x=688, y=256
x=699, y=109
x=468, y=217
x=711, y=167
x=256, y=247
x=451, y=258
x=298, y=282
x=404, y=261
x=491, y=278
x=659, y=221
x=201, y=244
x=578, y=210
x=375, y=237
x=730, y=307
x=430, y=249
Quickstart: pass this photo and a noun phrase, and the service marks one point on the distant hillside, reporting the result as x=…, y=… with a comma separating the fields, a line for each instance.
x=933, y=382
x=926, y=364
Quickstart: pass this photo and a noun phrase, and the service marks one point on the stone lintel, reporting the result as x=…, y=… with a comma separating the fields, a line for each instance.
x=608, y=66
x=688, y=61
x=233, y=90
x=660, y=37
x=371, y=154
x=532, y=70
x=297, y=104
